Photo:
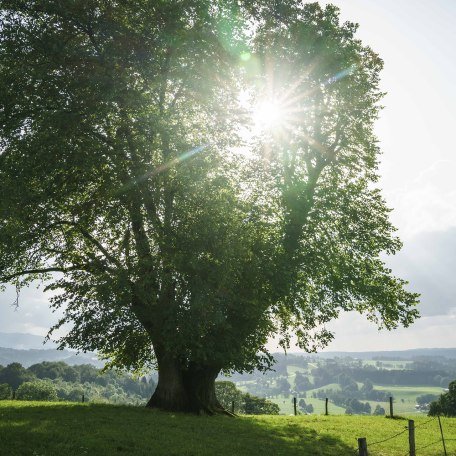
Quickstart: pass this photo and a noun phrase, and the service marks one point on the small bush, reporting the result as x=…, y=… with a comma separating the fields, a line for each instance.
x=259, y=406
x=6, y=392
x=446, y=403
x=38, y=390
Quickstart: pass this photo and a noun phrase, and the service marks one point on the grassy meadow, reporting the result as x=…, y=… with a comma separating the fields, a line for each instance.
x=70, y=429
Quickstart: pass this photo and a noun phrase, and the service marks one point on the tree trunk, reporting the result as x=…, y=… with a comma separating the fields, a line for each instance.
x=199, y=382
x=170, y=394
x=186, y=389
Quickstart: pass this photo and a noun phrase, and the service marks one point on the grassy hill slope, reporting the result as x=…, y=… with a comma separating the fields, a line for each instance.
x=54, y=429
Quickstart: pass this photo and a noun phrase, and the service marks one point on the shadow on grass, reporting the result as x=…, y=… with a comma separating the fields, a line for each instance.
x=69, y=430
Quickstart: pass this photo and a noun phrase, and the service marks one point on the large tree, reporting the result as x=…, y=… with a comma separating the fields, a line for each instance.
x=170, y=230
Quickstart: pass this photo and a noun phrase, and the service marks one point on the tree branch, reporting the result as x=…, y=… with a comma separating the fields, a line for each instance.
x=4, y=279
x=91, y=239
x=332, y=150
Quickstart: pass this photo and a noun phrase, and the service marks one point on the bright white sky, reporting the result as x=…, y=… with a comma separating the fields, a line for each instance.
x=416, y=39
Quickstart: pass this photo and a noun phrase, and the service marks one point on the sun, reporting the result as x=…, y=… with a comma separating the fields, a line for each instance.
x=268, y=114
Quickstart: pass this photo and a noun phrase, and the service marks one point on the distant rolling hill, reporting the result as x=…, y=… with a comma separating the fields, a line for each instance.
x=28, y=349
x=449, y=353
x=23, y=341
x=29, y=357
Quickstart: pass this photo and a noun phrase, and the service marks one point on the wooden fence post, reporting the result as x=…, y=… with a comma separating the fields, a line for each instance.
x=362, y=446
x=391, y=407
x=441, y=433
x=411, y=429
x=14, y=395
x=326, y=407
x=83, y=398
x=294, y=406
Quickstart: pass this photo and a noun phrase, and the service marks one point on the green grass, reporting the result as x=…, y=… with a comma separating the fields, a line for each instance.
x=69, y=429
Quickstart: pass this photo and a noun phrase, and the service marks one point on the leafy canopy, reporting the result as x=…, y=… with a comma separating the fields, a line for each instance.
x=135, y=185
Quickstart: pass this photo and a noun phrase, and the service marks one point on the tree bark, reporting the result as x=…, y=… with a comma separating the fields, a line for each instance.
x=188, y=389
x=199, y=383
x=170, y=394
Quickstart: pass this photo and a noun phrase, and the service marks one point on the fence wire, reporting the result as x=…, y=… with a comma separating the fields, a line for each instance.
x=404, y=431
x=389, y=438
x=426, y=422
x=429, y=444
x=384, y=440
x=356, y=452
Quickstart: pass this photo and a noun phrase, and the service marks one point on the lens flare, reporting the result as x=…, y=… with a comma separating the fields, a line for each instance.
x=268, y=114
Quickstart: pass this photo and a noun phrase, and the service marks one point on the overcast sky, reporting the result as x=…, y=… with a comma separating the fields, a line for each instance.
x=416, y=39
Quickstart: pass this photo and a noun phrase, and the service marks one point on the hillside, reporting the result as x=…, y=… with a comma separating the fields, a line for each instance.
x=29, y=349
x=33, y=356
x=449, y=353
x=53, y=429
x=24, y=341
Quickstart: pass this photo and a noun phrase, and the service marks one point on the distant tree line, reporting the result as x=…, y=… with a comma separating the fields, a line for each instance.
x=325, y=374
x=54, y=381
x=59, y=381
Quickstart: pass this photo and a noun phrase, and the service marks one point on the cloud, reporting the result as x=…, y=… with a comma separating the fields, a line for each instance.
x=32, y=316
x=354, y=333
x=428, y=262
x=425, y=203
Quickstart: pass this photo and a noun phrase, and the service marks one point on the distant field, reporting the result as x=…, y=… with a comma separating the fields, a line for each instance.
x=69, y=429
x=409, y=392
x=293, y=369
x=332, y=386
x=388, y=364
x=405, y=396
